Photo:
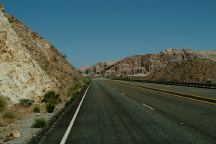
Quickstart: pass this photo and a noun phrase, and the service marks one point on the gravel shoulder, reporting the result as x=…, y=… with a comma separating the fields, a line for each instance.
x=24, y=126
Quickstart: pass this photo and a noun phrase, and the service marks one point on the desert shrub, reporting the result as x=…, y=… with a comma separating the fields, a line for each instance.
x=3, y=103
x=86, y=80
x=77, y=87
x=67, y=103
x=9, y=115
x=50, y=107
x=63, y=55
x=39, y=123
x=36, y=109
x=72, y=98
x=26, y=102
x=51, y=97
x=208, y=82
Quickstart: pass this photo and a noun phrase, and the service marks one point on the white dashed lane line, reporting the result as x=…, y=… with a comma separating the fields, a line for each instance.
x=148, y=106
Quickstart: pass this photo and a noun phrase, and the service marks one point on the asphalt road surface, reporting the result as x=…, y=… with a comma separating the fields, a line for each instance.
x=114, y=113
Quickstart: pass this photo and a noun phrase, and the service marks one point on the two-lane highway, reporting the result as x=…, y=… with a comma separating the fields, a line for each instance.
x=113, y=113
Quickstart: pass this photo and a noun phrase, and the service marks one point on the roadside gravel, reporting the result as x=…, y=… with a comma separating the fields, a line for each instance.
x=24, y=126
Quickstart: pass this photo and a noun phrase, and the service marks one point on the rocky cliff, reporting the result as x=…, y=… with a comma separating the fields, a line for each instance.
x=145, y=65
x=97, y=69
x=29, y=65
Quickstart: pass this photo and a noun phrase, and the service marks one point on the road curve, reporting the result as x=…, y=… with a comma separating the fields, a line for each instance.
x=113, y=113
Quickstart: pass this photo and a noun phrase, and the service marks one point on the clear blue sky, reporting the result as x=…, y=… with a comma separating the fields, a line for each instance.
x=88, y=31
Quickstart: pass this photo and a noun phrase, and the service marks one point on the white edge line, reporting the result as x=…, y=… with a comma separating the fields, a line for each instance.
x=74, y=118
x=148, y=106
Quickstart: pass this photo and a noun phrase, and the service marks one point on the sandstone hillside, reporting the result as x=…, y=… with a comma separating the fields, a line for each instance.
x=169, y=64
x=143, y=65
x=29, y=65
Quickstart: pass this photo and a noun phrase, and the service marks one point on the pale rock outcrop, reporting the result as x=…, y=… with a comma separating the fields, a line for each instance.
x=98, y=69
x=29, y=65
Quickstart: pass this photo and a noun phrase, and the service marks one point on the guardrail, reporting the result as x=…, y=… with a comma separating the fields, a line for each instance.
x=199, y=85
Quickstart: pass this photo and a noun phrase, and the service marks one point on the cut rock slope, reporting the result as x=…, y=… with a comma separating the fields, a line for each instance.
x=29, y=65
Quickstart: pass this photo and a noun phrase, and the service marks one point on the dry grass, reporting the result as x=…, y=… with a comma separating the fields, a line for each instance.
x=20, y=112
x=190, y=71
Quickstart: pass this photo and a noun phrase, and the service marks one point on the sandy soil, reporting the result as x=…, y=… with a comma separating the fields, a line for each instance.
x=23, y=123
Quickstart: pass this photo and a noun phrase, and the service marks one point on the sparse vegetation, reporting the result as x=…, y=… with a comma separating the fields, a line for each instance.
x=80, y=85
x=9, y=115
x=189, y=72
x=51, y=98
x=86, y=80
x=26, y=102
x=77, y=88
x=3, y=103
x=72, y=98
x=208, y=82
x=50, y=107
x=199, y=59
x=67, y=103
x=36, y=109
x=133, y=78
x=63, y=55
x=39, y=123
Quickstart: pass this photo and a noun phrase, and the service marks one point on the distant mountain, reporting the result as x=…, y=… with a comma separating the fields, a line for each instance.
x=150, y=65
x=29, y=65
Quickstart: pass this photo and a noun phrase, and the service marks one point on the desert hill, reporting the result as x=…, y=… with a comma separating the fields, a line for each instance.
x=29, y=65
x=170, y=64
x=199, y=71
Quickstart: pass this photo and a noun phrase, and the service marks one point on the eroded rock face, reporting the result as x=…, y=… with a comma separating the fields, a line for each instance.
x=29, y=65
x=143, y=65
x=98, y=69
